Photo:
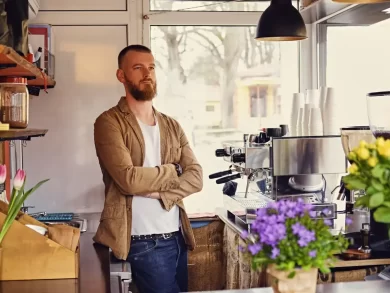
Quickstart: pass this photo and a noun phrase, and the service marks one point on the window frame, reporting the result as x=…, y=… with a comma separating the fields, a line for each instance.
x=307, y=49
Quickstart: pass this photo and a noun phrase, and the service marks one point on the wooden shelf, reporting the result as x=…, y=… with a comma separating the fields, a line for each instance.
x=12, y=64
x=21, y=134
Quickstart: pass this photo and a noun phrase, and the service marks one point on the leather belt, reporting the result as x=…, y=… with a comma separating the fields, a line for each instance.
x=154, y=236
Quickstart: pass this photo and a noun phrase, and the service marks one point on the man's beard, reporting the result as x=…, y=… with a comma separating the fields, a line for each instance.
x=147, y=94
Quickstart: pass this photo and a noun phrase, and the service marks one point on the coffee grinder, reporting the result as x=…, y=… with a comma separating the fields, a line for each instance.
x=378, y=237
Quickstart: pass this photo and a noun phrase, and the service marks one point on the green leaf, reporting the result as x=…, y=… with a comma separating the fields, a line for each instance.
x=290, y=265
x=370, y=190
x=376, y=184
x=291, y=275
x=356, y=183
x=376, y=199
x=382, y=215
x=378, y=171
x=386, y=204
x=362, y=201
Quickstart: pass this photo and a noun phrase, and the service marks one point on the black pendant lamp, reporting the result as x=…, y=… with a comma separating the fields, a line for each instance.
x=281, y=21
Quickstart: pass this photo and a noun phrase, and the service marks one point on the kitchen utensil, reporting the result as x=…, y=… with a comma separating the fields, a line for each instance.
x=351, y=137
x=378, y=106
x=228, y=178
x=220, y=174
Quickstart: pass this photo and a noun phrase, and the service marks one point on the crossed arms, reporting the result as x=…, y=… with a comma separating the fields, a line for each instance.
x=132, y=180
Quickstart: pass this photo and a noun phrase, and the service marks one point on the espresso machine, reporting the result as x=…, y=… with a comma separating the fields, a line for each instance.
x=281, y=167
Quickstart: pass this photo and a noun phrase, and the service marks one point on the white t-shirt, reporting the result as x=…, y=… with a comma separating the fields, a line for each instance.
x=148, y=216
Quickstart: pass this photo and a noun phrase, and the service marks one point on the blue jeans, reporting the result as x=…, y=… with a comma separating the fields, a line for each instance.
x=159, y=266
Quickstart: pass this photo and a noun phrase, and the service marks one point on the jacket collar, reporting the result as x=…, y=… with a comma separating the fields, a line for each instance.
x=124, y=107
x=132, y=120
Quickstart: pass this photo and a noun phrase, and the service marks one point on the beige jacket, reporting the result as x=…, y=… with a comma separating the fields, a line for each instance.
x=121, y=150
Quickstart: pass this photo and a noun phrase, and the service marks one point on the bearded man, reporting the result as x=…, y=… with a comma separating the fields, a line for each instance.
x=148, y=168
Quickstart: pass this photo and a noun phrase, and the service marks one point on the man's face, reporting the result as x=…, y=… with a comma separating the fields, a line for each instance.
x=138, y=75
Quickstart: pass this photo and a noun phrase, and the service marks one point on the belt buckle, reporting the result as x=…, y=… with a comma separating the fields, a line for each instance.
x=166, y=236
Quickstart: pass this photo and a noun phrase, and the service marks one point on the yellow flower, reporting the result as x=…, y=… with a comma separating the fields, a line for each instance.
x=363, y=153
x=363, y=143
x=371, y=146
x=380, y=141
x=372, y=161
x=384, y=151
x=352, y=156
x=353, y=169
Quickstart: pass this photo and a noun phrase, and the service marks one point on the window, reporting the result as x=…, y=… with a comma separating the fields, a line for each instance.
x=219, y=83
x=210, y=5
x=357, y=62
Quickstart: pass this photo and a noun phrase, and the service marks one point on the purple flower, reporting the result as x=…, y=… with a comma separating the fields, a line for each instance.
x=313, y=214
x=275, y=253
x=297, y=228
x=313, y=253
x=254, y=248
x=281, y=218
x=348, y=221
x=328, y=222
x=291, y=214
x=241, y=248
x=305, y=236
x=244, y=234
x=308, y=207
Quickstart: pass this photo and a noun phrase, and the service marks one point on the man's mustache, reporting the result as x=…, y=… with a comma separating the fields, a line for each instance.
x=147, y=80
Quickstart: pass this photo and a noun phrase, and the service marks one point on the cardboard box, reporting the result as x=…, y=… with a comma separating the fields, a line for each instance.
x=28, y=255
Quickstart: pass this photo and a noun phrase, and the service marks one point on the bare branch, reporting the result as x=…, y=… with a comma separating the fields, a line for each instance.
x=214, y=48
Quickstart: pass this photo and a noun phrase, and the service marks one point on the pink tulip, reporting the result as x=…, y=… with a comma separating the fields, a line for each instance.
x=3, y=173
x=19, y=179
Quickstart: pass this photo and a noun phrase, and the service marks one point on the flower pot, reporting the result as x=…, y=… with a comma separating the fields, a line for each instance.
x=304, y=281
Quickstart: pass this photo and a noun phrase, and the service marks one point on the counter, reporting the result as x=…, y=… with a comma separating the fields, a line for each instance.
x=355, y=287
x=95, y=274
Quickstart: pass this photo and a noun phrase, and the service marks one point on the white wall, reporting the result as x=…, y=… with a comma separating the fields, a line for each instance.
x=86, y=49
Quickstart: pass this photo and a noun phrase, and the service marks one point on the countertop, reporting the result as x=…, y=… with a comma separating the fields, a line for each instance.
x=95, y=274
x=355, y=287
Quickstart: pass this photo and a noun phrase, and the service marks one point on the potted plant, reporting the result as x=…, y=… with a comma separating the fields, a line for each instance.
x=370, y=171
x=286, y=240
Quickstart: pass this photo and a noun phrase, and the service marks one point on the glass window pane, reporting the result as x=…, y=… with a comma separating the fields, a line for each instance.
x=221, y=5
x=358, y=62
x=220, y=83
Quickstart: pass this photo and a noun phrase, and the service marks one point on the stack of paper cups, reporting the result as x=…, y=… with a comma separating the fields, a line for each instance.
x=315, y=122
x=306, y=116
x=297, y=103
x=323, y=91
x=299, y=126
x=329, y=119
x=313, y=97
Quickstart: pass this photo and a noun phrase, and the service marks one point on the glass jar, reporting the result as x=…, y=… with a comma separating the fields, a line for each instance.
x=378, y=107
x=14, y=101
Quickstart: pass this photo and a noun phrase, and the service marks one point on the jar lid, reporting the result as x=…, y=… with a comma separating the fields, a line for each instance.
x=8, y=79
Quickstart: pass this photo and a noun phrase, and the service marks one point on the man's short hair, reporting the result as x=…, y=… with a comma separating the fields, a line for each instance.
x=135, y=48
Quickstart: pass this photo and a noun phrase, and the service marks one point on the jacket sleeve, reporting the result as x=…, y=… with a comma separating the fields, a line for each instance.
x=115, y=158
x=191, y=181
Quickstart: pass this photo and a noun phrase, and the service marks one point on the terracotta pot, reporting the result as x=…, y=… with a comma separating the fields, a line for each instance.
x=303, y=281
